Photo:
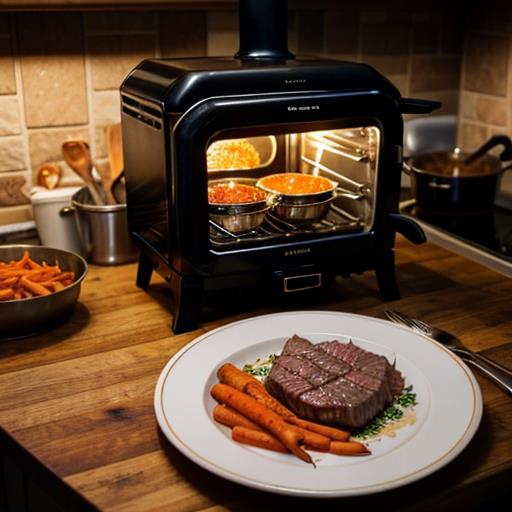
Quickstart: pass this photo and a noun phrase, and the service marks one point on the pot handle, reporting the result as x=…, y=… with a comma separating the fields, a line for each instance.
x=274, y=200
x=505, y=155
x=442, y=186
x=67, y=211
x=406, y=168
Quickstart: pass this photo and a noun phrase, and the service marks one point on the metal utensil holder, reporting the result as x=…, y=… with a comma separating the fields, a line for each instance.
x=103, y=230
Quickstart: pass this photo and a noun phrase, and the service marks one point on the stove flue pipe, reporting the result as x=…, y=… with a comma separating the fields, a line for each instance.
x=263, y=30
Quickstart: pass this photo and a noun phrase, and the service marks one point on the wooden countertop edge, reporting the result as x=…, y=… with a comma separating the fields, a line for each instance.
x=63, y=493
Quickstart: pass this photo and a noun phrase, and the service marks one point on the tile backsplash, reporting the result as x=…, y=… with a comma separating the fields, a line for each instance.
x=60, y=71
x=486, y=82
x=486, y=85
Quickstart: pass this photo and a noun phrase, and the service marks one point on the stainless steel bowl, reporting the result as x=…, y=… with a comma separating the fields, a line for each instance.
x=295, y=199
x=24, y=317
x=240, y=222
x=238, y=217
x=298, y=207
x=301, y=212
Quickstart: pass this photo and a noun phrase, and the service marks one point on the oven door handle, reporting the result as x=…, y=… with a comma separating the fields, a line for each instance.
x=408, y=228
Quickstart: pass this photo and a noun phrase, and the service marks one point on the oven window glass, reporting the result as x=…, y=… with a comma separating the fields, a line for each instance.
x=291, y=185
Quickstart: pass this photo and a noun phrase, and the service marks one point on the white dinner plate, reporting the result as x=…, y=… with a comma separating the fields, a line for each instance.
x=447, y=415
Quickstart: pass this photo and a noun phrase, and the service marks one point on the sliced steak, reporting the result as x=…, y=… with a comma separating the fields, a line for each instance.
x=396, y=380
x=286, y=386
x=305, y=369
x=296, y=345
x=333, y=382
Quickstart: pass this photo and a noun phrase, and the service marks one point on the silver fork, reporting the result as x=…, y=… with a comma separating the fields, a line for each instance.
x=495, y=371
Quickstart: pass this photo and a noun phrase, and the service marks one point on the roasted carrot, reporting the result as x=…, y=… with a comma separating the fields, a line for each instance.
x=18, y=272
x=7, y=283
x=232, y=376
x=314, y=441
x=257, y=438
x=57, y=285
x=242, y=381
x=65, y=276
x=263, y=416
x=7, y=294
x=35, y=288
x=229, y=374
x=27, y=278
x=330, y=432
x=348, y=448
x=231, y=418
x=23, y=261
x=32, y=264
x=260, y=394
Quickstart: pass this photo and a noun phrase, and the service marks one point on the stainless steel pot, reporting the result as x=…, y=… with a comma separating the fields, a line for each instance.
x=301, y=212
x=299, y=207
x=103, y=230
x=238, y=217
x=457, y=182
x=238, y=222
x=25, y=317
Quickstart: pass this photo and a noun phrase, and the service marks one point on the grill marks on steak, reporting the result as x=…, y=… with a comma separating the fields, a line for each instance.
x=333, y=382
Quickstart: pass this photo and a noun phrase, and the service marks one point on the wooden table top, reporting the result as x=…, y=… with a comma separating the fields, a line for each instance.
x=76, y=404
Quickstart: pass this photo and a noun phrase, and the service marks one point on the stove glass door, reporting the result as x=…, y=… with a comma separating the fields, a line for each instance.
x=279, y=186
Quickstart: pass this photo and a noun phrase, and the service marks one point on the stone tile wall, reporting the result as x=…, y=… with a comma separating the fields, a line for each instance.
x=486, y=85
x=60, y=71
x=486, y=82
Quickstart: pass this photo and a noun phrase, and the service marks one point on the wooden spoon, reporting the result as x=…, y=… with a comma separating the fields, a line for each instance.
x=77, y=156
x=115, y=154
x=106, y=182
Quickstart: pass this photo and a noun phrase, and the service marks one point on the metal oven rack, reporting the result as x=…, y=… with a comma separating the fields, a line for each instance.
x=273, y=229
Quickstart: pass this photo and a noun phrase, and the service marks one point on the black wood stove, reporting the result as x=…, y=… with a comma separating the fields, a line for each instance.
x=262, y=120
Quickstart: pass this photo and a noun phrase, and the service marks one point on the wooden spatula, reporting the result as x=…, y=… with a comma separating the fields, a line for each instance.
x=115, y=152
x=77, y=156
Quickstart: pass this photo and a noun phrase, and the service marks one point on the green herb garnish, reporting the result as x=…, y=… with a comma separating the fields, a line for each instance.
x=262, y=367
x=394, y=412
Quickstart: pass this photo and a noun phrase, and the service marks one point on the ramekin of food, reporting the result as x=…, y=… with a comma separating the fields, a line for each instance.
x=236, y=206
x=22, y=317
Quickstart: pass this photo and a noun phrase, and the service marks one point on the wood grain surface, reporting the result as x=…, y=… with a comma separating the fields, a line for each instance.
x=76, y=403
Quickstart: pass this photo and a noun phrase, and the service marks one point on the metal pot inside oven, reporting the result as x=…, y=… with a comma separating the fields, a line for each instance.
x=238, y=217
x=299, y=207
x=301, y=211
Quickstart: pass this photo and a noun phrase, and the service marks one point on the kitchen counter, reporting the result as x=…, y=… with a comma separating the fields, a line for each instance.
x=76, y=404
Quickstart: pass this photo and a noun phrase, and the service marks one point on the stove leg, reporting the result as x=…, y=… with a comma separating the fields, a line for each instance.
x=187, y=294
x=386, y=278
x=144, y=271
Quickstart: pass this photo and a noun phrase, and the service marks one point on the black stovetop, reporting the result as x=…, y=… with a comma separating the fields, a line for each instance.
x=489, y=231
